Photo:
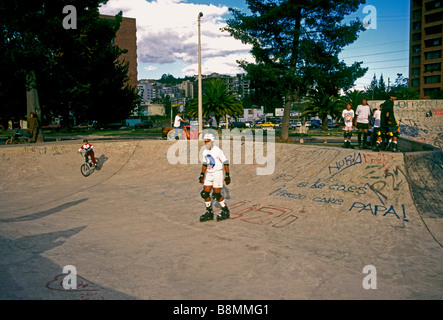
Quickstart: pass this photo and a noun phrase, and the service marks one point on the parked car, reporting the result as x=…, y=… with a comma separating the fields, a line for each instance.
x=144, y=124
x=83, y=126
x=315, y=123
x=55, y=127
x=267, y=124
x=292, y=125
x=222, y=125
x=333, y=124
x=237, y=124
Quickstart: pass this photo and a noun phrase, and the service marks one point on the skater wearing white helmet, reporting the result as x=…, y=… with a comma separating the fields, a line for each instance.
x=213, y=160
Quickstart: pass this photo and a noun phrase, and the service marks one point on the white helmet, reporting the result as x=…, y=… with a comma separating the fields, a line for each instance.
x=209, y=136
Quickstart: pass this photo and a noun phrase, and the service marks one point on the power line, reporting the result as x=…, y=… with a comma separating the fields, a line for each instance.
x=375, y=45
x=385, y=61
x=375, y=54
x=389, y=67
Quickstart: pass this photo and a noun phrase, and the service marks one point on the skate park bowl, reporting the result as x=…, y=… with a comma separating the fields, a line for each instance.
x=307, y=222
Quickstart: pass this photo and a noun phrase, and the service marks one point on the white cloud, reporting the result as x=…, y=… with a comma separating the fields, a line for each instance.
x=150, y=68
x=167, y=33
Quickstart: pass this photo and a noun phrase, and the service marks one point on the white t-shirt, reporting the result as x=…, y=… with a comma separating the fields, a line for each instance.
x=348, y=115
x=377, y=117
x=213, y=158
x=177, y=121
x=363, y=113
x=87, y=147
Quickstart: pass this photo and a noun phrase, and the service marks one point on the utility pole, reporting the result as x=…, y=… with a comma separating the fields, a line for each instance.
x=200, y=103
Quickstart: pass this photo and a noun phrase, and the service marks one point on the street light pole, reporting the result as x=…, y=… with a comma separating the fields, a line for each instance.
x=200, y=103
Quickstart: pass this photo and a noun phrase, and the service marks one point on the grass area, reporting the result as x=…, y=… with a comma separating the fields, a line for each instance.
x=109, y=132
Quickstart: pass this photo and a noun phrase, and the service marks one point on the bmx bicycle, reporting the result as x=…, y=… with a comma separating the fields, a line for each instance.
x=15, y=140
x=88, y=167
x=188, y=133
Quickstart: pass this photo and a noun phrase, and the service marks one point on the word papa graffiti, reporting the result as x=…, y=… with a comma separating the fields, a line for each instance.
x=378, y=209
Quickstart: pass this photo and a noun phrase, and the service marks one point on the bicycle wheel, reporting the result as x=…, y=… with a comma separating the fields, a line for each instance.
x=9, y=141
x=85, y=170
x=171, y=135
x=21, y=141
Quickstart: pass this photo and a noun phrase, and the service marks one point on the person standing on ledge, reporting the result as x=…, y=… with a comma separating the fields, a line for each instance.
x=32, y=127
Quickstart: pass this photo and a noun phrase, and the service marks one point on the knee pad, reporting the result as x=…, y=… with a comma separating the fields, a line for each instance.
x=204, y=194
x=216, y=196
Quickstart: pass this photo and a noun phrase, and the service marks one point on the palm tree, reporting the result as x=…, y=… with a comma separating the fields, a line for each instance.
x=216, y=99
x=322, y=104
x=355, y=97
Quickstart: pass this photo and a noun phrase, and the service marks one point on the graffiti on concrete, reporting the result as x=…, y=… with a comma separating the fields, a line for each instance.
x=419, y=120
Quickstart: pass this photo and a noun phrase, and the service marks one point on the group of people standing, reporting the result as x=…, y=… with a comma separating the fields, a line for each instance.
x=377, y=129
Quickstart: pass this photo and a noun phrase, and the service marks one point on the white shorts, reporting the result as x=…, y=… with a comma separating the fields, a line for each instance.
x=214, y=179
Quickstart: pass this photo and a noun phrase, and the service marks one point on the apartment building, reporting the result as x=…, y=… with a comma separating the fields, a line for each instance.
x=147, y=91
x=426, y=33
x=126, y=38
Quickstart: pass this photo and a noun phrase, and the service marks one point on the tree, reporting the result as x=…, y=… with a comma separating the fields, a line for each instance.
x=355, y=97
x=401, y=90
x=77, y=71
x=298, y=42
x=216, y=99
x=377, y=90
x=265, y=92
x=322, y=104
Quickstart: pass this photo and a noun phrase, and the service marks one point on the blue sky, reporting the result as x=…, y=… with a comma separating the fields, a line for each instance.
x=167, y=37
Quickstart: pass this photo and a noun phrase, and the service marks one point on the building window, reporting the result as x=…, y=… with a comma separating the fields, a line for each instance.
x=416, y=36
x=434, y=17
x=416, y=14
x=433, y=67
x=433, y=30
x=436, y=42
x=433, y=55
x=430, y=91
x=416, y=48
x=432, y=79
x=433, y=5
x=416, y=60
x=415, y=71
x=415, y=82
x=416, y=25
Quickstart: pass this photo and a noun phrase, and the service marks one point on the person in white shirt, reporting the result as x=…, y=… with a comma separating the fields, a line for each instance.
x=348, y=116
x=363, y=113
x=213, y=162
x=376, y=116
x=177, y=124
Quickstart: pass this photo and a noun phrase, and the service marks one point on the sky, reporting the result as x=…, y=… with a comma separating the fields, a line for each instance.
x=167, y=38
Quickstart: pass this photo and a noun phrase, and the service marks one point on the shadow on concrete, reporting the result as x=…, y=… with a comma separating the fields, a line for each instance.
x=425, y=172
x=28, y=273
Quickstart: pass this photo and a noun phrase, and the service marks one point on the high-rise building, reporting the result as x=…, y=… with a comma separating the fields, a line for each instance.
x=126, y=38
x=426, y=33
